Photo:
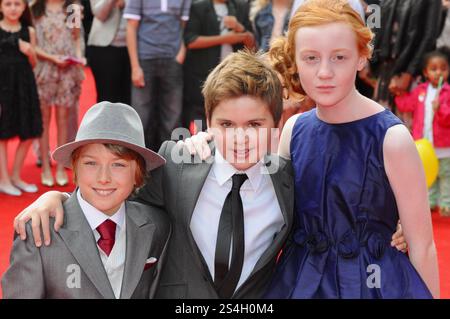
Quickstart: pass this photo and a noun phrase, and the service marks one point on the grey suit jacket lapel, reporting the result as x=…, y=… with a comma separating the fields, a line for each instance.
x=139, y=238
x=282, y=183
x=79, y=239
x=192, y=178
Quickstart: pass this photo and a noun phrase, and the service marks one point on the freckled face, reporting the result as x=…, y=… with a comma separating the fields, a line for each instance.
x=105, y=180
x=327, y=59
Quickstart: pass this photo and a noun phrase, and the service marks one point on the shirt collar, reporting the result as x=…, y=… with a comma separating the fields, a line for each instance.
x=223, y=171
x=96, y=217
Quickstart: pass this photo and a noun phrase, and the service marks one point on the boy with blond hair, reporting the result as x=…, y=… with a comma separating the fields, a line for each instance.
x=108, y=247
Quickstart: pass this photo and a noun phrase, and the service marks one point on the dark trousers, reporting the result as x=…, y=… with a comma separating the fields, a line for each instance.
x=112, y=72
x=159, y=103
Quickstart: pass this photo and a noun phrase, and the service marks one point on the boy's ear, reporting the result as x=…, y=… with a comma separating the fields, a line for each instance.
x=362, y=63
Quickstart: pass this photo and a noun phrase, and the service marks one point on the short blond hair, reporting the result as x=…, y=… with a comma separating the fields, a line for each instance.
x=310, y=14
x=244, y=74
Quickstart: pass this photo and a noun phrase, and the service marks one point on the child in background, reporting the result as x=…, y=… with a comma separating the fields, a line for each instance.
x=430, y=104
x=20, y=114
x=58, y=76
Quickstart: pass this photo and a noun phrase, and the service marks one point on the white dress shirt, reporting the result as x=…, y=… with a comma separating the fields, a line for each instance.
x=262, y=214
x=114, y=263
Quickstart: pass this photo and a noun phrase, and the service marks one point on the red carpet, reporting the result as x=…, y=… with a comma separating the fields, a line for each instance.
x=11, y=206
x=441, y=228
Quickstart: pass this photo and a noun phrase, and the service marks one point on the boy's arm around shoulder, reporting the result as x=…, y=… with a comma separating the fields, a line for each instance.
x=24, y=278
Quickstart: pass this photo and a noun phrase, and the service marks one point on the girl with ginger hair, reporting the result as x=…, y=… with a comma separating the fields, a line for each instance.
x=356, y=168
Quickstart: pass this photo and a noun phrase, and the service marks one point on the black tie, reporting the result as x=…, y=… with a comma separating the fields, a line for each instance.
x=231, y=224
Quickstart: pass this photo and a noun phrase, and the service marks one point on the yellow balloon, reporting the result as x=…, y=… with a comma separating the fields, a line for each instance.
x=429, y=160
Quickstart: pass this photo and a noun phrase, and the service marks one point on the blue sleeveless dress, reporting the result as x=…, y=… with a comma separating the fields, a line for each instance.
x=345, y=214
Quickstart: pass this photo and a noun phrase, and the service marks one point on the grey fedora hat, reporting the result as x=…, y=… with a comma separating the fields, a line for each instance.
x=113, y=123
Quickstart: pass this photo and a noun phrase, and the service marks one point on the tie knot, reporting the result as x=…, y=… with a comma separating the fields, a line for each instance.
x=107, y=230
x=238, y=180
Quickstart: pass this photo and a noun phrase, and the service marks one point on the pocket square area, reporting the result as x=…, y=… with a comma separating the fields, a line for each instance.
x=150, y=262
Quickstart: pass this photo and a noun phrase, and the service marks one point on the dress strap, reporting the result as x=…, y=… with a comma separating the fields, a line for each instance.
x=24, y=33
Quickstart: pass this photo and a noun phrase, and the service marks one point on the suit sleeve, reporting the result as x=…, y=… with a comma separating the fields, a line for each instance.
x=193, y=27
x=24, y=279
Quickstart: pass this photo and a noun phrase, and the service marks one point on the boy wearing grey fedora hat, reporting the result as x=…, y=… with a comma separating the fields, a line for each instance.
x=108, y=247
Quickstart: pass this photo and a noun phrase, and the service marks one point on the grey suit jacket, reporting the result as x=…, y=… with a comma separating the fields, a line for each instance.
x=176, y=187
x=71, y=266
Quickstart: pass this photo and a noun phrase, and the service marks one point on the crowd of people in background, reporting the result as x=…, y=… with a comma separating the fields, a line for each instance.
x=156, y=55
